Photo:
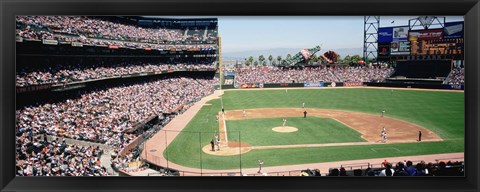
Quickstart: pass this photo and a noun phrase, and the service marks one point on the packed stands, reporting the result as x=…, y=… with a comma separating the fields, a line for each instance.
x=311, y=74
x=59, y=74
x=102, y=32
x=456, y=76
x=103, y=115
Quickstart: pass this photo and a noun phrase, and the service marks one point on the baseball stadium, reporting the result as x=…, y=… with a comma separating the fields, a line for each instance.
x=153, y=96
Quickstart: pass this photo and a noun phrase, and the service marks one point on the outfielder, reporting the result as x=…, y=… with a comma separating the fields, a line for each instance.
x=303, y=104
x=383, y=112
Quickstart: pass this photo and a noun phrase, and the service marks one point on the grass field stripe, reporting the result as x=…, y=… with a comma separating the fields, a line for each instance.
x=384, y=148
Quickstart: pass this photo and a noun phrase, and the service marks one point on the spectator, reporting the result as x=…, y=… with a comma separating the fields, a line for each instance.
x=388, y=171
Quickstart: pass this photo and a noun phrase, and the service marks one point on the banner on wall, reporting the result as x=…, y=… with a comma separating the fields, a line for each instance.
x=400, y=33
x=428, y=34
x=249, y=85
x=385, y=35
x=50, y=42
x=353, y=84
x=400, y=48
x=383, y=50
x=313, y=84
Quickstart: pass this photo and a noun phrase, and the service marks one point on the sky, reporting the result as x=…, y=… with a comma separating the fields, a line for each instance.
x=246, y=33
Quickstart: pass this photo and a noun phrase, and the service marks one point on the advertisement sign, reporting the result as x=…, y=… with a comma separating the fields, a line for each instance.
x=353, y=84
x=400, y=48
x=453, y=30
x=249, y=85
x=428, y=34
x=50, y=42
x=313, y=84
x=383, y=49
x=77, y=44
x=385, y=35
x=400, y=33
x=113, y=47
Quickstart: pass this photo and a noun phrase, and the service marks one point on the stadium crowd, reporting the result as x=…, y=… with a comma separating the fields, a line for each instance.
x=94, y=31
x=311, y=74
x=406, y=169
x=59, y=74
x=456, y=76
x=91, y=27
x=36, y=157
x=101, y=116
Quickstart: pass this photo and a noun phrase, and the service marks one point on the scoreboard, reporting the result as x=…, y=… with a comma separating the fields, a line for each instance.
x=438, y=47
x=395, y=42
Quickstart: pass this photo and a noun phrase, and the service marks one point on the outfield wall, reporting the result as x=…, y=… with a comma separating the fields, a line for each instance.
x=398, y=84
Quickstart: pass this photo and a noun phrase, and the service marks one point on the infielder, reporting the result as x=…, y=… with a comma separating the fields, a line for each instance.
x=244, y=114
x=303, y=104
x=217, y=141
x=383, y=112
x=218, y=144
x=284, y=121
x=384, y=135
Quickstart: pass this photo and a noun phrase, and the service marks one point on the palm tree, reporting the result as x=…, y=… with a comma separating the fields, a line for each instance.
x=250, y=59
x=274, y=63
x=270, y=58
x=279, y=59
x=255, y=63
x=289, y=56
x=264, y=63
x=261, y=58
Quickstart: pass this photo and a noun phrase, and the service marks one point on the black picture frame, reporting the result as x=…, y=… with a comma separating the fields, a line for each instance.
x=10, y=8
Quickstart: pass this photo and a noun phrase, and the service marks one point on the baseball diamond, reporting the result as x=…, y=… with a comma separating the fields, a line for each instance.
x=161, y=96
x=340, y=127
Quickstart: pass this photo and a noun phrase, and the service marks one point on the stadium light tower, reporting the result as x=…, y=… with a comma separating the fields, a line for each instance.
x=370, y=37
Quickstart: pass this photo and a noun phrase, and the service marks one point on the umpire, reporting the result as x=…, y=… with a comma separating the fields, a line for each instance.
x=305, y=114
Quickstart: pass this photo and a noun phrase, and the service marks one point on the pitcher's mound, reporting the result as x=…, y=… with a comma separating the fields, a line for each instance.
x=285, y=129
x=233, y=148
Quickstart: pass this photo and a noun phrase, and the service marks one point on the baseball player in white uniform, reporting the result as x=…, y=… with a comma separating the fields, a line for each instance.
x=284, y=121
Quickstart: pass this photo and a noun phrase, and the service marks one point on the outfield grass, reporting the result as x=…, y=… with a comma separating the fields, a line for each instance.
x=311, y=130
x=441, y=112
